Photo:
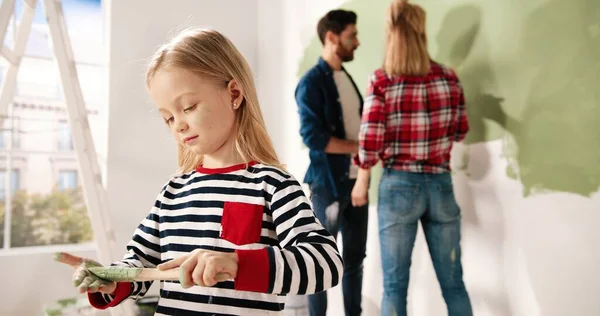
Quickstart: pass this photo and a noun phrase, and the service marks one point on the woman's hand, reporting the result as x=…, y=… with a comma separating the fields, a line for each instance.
x=360, y=191
x=83, y=279
x=201, y=267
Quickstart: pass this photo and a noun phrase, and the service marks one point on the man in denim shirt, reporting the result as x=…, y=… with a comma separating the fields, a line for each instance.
x=330, y=107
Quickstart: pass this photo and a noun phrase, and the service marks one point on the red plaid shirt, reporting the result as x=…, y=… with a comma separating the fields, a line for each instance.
x=410, y=122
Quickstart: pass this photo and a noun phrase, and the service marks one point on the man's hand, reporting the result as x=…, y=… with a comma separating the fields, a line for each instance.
x=83, y=279
x=200, y=267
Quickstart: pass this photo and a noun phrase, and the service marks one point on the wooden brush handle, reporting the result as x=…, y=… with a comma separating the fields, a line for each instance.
x=172, y=275
x=145, y=275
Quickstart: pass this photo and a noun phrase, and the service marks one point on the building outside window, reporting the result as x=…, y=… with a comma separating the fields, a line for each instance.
x=47, y=205
x=67, y=180
x=65, y=138
x=15, y=183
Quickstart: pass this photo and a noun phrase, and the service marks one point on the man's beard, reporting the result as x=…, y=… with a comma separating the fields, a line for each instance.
x=344, y=54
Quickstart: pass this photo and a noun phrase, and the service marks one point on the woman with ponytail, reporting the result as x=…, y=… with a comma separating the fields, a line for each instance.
x=413, y=112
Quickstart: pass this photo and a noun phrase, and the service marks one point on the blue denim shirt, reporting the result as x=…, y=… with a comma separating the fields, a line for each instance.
x=321, y=118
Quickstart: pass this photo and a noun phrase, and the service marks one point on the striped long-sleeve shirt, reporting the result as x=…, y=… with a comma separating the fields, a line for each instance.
x=262, y=213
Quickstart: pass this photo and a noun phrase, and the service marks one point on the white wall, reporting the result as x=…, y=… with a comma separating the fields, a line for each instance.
x=284, y=28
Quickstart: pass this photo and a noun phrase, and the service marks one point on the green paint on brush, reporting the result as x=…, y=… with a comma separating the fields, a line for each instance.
x=117, y=274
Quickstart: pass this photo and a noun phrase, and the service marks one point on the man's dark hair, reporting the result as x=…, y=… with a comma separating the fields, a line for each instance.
x=335, y=21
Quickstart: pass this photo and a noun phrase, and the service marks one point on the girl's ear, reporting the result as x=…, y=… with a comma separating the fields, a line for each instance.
x=236, y=93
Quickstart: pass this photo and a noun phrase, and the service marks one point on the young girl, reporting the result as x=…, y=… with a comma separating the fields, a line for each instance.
x=414, y=111
x=233, y=209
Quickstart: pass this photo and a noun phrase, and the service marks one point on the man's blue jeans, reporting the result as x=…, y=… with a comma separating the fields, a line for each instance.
x=338, y=215
x=405, y=199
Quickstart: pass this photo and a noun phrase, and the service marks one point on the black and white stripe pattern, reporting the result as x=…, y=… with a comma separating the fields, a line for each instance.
x=303, y=256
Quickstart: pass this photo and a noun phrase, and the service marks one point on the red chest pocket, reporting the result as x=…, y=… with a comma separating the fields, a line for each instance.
x=241, y=223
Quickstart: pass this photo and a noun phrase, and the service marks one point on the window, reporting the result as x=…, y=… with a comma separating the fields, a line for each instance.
x=48, y=206
x=67, y=180
x=15, y=182
x=65, y=138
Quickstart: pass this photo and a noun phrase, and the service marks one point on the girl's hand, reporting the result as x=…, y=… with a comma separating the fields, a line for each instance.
x=83, y=279
x=200, y=267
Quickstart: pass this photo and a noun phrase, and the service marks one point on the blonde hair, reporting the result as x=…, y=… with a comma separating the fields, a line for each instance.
x=213, y=56
x=406, y=46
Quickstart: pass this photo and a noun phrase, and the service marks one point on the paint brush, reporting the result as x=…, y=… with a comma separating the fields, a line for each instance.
x=127, y=274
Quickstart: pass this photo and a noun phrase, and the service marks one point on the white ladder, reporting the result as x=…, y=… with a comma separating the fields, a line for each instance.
x=94, y=192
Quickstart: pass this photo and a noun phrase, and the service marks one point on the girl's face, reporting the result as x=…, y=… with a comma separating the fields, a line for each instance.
x=199, y=113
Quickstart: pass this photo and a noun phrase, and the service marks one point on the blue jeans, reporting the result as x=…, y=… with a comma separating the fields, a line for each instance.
x=339, y=215
x=405, y=199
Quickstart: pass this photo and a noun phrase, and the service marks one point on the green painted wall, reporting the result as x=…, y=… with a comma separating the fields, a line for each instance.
x=531, y=72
